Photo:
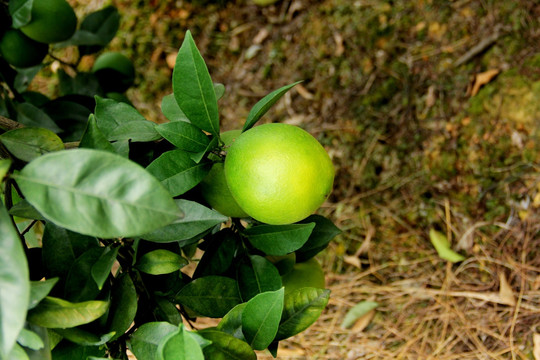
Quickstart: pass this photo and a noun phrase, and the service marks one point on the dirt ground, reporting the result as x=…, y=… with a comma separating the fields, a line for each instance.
x=430, y=111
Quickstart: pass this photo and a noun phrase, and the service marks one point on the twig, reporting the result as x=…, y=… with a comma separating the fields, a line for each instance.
x=480, y=47
x=8, y=124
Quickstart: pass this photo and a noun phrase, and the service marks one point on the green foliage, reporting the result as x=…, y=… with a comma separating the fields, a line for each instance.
x=115, y=200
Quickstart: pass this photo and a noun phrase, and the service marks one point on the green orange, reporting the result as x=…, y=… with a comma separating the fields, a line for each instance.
x=114, y=71
x=21, y=51
x=304, y=274
x=214, y=187
x=278, y=173
x=52, y=21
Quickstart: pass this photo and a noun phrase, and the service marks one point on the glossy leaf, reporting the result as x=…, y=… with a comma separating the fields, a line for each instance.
x=93, y=137
x=102, y=267
x=301, y=309
x=120, y=121
x=96, y=193
x=14, y=284
x=279, y=239
x=261, y=317
x=356, y=312
x=123, y=306
x=180, y=345
x=193, y=88
x=160, y=262
x=39, y=290
x=21, y=12
x=257, y=276
x=83, y=337
x=211, y=296
x=184, y=136
x=442, y=245
x=145, y=340
x=320, y=237
x=232, y=322
x=57, y=313
x=226, y=347
x=261, y=107
x=30, y=115
x=178, y=172
x=171, y=110
x=197, y=219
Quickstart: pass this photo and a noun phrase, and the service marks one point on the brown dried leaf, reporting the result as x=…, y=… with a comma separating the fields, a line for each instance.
x=304, y=92
x=353, y=260
x=363, y=321
x=340, y=49
x=482, y=79
x=536, y=346
x=505, y=291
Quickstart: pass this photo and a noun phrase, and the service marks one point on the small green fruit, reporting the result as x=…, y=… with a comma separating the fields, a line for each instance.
x=52, y=21
x=20, y=51
x=115, y=72
x=304, y=274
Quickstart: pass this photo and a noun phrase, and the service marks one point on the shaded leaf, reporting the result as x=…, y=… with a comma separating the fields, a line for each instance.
x=211, y=296
x=32, y=116
x=21, y=12
x=83, y=337
x=279, y=239
x=218, y=255
x=193, y=88
x=184, y=136
x=80, y=284
x=57, y=313
x=24, y=210
x=93, y=137
x=320, y=237
x=96, y=193
x=123, y=306
x=28, y=143
x=261, y=107
x=261, y=318
x=39, y=290
x=102, y=267
x=14, y=284
x=259, y=276
x=171, y=110
x=67, y=350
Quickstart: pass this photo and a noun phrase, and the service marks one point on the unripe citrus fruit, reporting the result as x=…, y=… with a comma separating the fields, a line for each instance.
x=115, y=72
x=214, y=187
x=21, y=51
x=304, y=274
x=278, y=173
x=52, y=21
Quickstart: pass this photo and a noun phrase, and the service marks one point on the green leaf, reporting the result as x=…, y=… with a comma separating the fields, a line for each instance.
x=61, y=247
x=279, y=239
x=102, y=267
x=184, y=136
x=219, y=90
x=226, y=347
x=43, y=352
x=145, y=340
x=96, y=193
x=83, y=337
x=442, y=245
x=21, y=12
x=211, y=296
x=123, y=306
x=67, y=350
x=57, y=313
x=160, y=262
x=177, y=172
x=356, y=312
x=5, y=164
x=80, y=284
x=301, y=309
x=171, y=110
x=261, y=107
x=14, y=284
x=17, y=353
x=120, y=121
x=232, y=322
x=30, y=339
x=180, y=345
x=93, y=137
x=197, y=219
x=259, y=276
x=27, y=143
x=322, y=234
x=25, y=76
x=219, y=254
x=193, y=88
x=39, y=290
x=167, y=311
x=32, y=116
x=261, y=317
x=24, y=210
x=103, y=24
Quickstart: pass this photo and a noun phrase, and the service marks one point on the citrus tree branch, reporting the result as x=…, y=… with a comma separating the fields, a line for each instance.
x=8, y=124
